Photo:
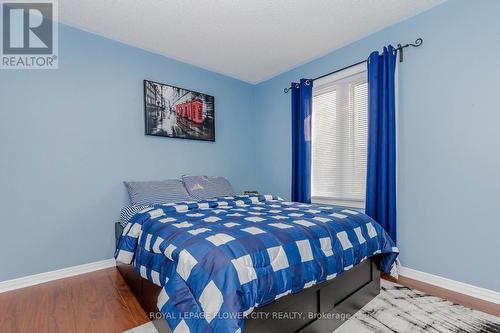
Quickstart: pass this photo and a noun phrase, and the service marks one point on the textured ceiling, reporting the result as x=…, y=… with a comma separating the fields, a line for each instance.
x=251, y=40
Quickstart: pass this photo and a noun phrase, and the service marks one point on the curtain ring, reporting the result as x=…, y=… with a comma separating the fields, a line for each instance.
x=297, y=86
x=308, y=82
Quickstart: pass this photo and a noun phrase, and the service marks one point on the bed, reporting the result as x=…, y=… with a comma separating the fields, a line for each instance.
x=252, y=264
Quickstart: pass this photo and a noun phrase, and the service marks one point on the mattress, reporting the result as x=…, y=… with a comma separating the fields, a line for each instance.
x=217, y=260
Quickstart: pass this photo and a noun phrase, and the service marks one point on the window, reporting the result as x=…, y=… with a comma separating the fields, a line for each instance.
x=339, y=133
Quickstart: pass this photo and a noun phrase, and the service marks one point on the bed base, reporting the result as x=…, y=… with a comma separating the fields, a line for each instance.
x=324, y=307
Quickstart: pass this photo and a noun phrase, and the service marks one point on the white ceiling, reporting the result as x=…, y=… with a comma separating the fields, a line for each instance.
x=252, y=40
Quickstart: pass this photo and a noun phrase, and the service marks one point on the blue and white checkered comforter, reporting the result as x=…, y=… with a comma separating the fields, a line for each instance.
x=217, y=260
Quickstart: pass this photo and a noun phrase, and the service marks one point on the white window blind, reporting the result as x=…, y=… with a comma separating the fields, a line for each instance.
x=339, y=138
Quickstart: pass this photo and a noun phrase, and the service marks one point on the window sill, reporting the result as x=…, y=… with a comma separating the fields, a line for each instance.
x=359, y=205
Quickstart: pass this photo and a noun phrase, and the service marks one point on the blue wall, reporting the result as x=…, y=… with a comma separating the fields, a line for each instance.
x=69, y=137
x=448, y=136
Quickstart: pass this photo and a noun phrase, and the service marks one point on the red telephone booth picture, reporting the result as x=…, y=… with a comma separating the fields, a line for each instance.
x=177, y=112
x=189, y=108
x=192, y=110
x=197, y=106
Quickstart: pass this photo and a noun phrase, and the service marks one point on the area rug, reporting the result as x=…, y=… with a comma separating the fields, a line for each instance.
x=399, y=309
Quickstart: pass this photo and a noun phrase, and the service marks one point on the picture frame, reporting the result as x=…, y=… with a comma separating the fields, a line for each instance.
x=175, y=112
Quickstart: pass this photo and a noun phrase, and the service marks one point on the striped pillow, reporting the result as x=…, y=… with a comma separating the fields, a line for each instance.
x=157, y=192
x=129, y=211
x=204, y=187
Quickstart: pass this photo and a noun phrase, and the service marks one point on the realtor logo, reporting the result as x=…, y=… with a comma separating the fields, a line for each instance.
x=29, y=35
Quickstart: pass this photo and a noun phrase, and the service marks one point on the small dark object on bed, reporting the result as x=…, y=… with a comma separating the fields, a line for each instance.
x=251, y=192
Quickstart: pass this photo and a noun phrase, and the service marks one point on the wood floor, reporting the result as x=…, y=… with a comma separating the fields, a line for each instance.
x=102, y=302
x=95, y=302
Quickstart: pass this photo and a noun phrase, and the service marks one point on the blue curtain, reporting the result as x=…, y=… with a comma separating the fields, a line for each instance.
x=301, y=140
x=381, y=173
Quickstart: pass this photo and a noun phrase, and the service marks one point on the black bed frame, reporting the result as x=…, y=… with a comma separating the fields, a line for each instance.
x=325, y=306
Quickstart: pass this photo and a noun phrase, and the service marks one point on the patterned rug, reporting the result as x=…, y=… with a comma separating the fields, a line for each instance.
x=400, y=309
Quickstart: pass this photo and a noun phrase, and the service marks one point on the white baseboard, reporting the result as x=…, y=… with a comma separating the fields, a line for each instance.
x=456, y=286
x=31, y=280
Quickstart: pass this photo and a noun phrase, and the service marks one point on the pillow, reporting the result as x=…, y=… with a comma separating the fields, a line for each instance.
x=157, y=192
x=129, y=211
x=204, y=187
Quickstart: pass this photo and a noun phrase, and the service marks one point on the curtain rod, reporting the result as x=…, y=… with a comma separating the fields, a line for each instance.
x=399, y=48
